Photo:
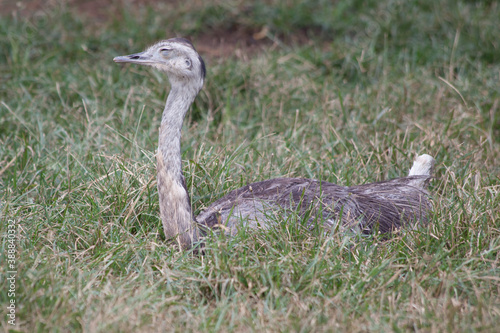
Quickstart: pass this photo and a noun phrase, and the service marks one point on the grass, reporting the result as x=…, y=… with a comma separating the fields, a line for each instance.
x=348, y=92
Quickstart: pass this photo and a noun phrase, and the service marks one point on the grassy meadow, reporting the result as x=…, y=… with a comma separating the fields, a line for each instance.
x=347, y=91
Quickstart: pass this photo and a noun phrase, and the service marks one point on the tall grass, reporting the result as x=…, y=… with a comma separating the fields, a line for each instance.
x=345, y=91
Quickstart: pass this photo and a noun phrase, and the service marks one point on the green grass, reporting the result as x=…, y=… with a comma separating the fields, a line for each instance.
x=347, y=92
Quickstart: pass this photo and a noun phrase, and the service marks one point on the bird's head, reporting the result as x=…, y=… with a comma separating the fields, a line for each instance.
x=176, y=56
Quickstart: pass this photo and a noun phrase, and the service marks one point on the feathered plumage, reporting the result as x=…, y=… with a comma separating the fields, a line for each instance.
x=383, y=206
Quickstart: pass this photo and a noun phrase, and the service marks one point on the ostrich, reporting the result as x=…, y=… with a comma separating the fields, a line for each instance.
x=383, y=206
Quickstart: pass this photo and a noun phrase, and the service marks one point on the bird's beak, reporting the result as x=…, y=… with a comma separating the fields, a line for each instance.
x=137, y=58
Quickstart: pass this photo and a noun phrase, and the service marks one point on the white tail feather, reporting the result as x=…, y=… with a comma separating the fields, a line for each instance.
x=423, y=166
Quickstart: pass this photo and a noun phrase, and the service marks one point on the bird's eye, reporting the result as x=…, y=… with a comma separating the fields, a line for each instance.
x=188, y=63
x=165, y=52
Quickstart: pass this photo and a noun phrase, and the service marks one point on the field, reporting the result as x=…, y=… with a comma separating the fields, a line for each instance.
x=346, y=91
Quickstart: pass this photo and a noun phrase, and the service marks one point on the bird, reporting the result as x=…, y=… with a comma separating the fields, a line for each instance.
x=383, y=207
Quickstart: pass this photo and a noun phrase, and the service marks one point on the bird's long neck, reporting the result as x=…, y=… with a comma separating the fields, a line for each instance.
x=175, y=204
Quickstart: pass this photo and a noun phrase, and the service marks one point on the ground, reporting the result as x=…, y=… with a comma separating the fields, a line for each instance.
x=218, y=43
x=346, y=91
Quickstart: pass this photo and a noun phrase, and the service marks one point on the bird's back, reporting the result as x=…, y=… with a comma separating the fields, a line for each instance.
x=385, y=205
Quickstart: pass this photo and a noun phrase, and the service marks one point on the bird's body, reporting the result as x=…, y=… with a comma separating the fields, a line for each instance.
x=383, y=206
